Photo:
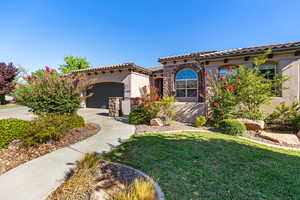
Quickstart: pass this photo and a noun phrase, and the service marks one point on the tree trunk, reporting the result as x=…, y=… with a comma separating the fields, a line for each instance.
x=2, y=99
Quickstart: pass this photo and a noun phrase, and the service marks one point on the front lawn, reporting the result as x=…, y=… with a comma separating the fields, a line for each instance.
x=212, y=166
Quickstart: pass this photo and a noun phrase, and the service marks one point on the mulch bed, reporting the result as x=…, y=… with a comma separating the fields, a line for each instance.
x=16, y=155
x=174, y=127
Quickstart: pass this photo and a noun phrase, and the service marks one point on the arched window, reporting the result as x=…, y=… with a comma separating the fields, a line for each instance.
x=186, y=83
x=225, y=70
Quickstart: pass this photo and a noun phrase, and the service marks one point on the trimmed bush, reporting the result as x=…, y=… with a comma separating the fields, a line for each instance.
x=139, y=116
x=50, y=127
x=296, y=123
x=232, y=127
x=200, y=121
x=12, y=129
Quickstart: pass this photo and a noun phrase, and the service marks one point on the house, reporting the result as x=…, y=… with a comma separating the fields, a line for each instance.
x=184, y=76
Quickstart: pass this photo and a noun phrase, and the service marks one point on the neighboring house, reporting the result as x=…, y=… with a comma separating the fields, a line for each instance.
x=183, y=76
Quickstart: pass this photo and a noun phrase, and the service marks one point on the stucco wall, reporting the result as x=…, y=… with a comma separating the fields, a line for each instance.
x=138, y=81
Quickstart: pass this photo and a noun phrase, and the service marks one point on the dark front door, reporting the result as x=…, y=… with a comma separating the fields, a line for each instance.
x=99, y=93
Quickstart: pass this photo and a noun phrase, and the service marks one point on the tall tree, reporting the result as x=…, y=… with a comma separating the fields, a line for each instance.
x=8, y=72
x=73, y=63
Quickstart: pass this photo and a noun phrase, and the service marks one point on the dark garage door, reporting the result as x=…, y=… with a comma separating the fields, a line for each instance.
x=100, y=93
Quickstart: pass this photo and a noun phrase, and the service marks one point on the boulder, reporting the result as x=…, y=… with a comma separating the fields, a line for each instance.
x=255, y=125
x=298, y=134
x=156, y=122
x=281, y=138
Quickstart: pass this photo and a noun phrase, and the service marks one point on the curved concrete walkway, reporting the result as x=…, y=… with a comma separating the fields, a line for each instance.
x=36, y=179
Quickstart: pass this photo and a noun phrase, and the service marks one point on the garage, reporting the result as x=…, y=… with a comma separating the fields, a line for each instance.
x=99, y=93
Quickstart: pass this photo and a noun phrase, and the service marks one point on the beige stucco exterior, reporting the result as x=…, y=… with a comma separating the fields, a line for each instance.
x=138, y=81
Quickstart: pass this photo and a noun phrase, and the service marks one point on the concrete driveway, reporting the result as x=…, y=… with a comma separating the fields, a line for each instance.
x=36, y=179
x=21, y=112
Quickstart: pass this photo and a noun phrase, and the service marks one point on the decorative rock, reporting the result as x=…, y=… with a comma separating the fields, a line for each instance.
x=14, y=144
x=281, y=138
x=298, y=134
x=156, y=122
x=255, y=125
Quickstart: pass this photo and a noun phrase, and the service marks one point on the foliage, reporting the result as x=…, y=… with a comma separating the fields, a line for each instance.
x=149, y=101
x=51, y=94
x=232, y=127
x=296, y=123
x=200, y=121
x=8, y=73
x=212, y=165
x=241, y=93
x=73, y=63
x=139, y=116
x=221, y=97
x=81, y=182
x=42, y=72
x=12, y=129
x=284, y=115
x=168, y=107
x=140, y=189
x=50, y=127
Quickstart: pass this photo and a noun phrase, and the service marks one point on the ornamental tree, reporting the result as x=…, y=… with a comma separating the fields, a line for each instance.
x=73, y=63
x=52, y=94
x=241, y=92
x=8, y=72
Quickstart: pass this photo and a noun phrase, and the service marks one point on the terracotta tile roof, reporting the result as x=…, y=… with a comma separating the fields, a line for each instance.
x=128, y=65
x=156, y=69
x=183, y=56
x=236, y=52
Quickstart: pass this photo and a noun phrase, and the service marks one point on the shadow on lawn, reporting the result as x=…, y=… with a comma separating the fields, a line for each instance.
x=212, y=166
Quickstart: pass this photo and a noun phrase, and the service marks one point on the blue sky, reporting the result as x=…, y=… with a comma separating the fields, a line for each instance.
x=35, y=33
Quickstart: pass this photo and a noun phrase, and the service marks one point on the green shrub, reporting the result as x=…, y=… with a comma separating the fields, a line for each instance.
x=139, y=116
x=284, y=117
x=168, y=107
x=50, y=127
x=76, y=121
x=232, y=127
x=200, y=121
x=296, y=123
x=12, y=129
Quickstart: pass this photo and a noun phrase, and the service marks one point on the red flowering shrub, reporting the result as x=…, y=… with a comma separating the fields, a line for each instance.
x=148, y=106
x=149, y=101
x=240, y=93
x=51, y=94
x=221, y=97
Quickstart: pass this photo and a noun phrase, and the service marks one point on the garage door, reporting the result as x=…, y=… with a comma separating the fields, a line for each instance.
x=100, y=93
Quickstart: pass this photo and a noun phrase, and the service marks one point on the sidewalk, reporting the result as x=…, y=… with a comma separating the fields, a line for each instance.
x=36, y=179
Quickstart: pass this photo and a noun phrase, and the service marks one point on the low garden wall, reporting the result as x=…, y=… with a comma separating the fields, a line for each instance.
x=188, y=111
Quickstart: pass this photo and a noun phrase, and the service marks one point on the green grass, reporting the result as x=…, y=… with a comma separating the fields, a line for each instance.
x=190, y=166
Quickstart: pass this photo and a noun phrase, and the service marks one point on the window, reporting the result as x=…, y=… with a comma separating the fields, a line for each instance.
x=268, y=70
x=225, y=70
x=186, y=83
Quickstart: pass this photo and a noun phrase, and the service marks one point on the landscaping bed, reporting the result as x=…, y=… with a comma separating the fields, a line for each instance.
x=212, y=166
x=96, y=179
x=15, y=155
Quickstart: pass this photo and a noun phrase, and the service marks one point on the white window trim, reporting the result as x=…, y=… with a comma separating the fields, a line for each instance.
x=185, y=88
